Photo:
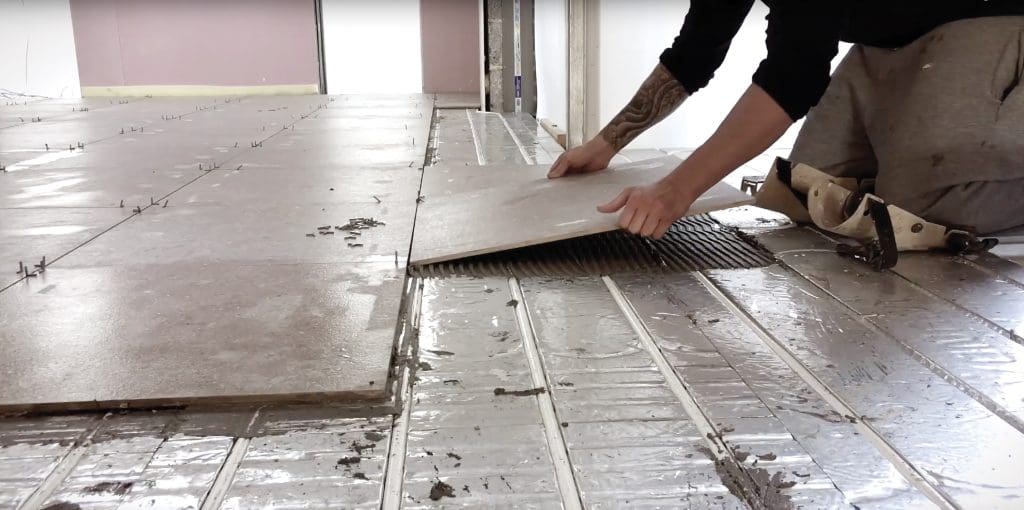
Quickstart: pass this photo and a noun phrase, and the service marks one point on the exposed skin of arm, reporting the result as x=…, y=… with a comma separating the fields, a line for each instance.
x=657, y=98
x=755, y=122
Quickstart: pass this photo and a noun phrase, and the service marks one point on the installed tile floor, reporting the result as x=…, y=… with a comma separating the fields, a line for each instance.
x=810, y=383
x=204, y=283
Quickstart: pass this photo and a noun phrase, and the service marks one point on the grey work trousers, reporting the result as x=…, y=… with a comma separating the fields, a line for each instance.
x=939, y=123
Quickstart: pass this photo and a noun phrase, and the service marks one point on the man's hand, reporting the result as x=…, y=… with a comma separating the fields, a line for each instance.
x=650, y=210
x=752, y=126
x=659, y=96
x=589, y=157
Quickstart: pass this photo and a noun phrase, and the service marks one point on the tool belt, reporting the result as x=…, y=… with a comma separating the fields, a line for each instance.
x=848, y=207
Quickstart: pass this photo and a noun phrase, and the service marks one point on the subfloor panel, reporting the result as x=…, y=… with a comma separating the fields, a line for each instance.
x=173, y=334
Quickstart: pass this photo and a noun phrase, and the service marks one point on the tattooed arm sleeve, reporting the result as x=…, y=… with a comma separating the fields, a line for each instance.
x=659, y=96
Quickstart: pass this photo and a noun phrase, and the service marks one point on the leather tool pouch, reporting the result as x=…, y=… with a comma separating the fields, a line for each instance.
x=848, y=207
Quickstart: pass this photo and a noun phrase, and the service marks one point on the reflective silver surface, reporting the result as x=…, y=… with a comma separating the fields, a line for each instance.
x=628, y=436
x=925, y=356
x=958, y=346
x=737, y=377
x=338, y=465
x=998, y=300
x=948, y=436
x=489, y=448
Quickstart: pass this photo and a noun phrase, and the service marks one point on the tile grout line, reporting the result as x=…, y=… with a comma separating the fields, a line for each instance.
x=60, y=118
x=394, y=474
x=906, y=468
x=164, y=197
x=60, y=472
x=701, y=421
x=430, y=153
x=564, y=476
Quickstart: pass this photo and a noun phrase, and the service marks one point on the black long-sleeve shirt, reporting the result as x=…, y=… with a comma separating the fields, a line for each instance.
x=803, y=37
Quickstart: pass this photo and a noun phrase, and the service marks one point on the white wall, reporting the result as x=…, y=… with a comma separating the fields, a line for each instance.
x=551, y=43
x=633, y=33
x=37, y=49
x=372, y=47
x=632, y=36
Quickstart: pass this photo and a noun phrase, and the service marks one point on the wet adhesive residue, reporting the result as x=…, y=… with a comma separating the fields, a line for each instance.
x=520, y=393
x=441, y=490
x=755, y=485
x=693, y=243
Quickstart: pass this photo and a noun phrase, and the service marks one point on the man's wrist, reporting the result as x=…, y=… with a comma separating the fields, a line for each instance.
x=681, y=185
x=602, y=146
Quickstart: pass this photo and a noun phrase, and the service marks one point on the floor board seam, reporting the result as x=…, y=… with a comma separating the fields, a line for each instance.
x=988, y=322
x=515, y=138
x=991, y=324
x=906, y=468
x=62, y=470
x=990, y=271
x=674, y=380
x=394, y=469
x=922, y=358
x=226, y=475
x=1017, y=278
x=565, y=476
x=431, y=150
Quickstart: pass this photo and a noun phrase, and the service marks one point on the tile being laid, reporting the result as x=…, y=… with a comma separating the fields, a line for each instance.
x=496, y=211
x=173, y=334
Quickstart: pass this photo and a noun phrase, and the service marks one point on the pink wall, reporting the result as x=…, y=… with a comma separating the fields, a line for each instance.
x=450, y=33
x=195, y=42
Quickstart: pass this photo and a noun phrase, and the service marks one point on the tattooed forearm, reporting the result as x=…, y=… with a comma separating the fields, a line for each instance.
x=659, y=96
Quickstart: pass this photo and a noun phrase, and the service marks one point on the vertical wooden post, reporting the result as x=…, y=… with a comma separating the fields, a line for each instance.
x=584, y=87
x=483, y=58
